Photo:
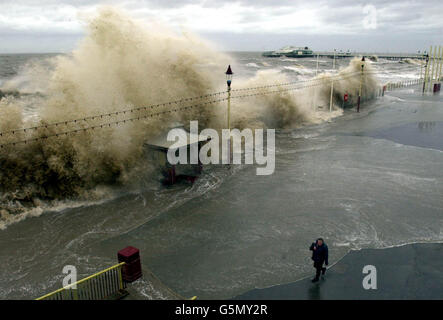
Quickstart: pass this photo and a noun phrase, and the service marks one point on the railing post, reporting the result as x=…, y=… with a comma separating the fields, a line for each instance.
x=361, y=85
x=332, y=84
x=316, y=71
x=431, y=70
x=120, y=278
x=441, y=64
x=434, y=64
x=425, y=79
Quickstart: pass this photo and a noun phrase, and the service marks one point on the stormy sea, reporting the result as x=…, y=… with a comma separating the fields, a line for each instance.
x=372, y=179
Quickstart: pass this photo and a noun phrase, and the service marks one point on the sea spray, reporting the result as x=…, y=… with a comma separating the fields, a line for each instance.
x=120, y=64
x=270, y=106
x=123, y=64
x=290, y=106
x=347, y=81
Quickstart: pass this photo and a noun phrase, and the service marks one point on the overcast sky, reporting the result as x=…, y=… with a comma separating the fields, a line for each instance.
x=256, y=25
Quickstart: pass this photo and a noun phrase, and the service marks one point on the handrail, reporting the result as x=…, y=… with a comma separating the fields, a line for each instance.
x=95, y=275
x=319, y=81
x=290, y=86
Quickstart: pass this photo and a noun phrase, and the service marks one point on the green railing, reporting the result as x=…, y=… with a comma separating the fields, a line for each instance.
x=104, y=285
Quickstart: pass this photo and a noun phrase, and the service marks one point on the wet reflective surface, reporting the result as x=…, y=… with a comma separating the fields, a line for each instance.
x=367, y=180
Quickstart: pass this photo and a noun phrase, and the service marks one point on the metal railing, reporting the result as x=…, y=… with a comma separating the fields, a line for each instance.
x=43, y=131
x=390, y=86
x=103, y=285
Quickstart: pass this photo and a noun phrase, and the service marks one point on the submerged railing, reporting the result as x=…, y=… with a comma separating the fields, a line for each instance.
x=104, y=285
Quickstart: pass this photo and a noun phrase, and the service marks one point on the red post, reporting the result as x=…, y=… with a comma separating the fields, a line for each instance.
x=132, y=269
x=358, y=104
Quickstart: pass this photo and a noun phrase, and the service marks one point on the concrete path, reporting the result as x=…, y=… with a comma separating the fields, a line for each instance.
x=412, y=271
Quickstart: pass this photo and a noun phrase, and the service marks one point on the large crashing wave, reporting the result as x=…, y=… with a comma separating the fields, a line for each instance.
x=289, y=108
x=120, y=64
x=123, y=64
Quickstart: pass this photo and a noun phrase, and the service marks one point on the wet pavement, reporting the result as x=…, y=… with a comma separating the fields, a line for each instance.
x=408, y=272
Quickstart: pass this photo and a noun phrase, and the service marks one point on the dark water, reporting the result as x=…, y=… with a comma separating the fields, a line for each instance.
x=367, y=180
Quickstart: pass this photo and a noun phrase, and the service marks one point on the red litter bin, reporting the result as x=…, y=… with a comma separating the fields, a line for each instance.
x=132, y=269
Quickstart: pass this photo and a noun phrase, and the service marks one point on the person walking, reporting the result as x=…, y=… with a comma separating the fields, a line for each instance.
x=319, y=255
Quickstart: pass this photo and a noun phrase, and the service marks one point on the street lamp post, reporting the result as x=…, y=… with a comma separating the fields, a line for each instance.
x=316, y=70
x=361, y=85
x=333, y=62
x=229, y=75
x=426, y=72
x=332, y=83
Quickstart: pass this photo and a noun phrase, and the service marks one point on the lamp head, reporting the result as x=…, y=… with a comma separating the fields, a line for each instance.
x=229, y=75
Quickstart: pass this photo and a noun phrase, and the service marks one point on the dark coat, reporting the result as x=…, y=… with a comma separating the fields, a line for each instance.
x=319, y=255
